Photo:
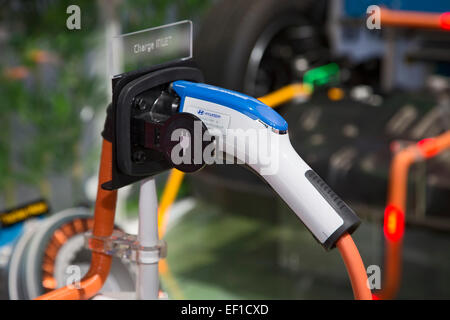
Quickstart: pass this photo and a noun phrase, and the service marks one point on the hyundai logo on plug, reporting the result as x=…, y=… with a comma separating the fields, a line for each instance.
x=208, y=114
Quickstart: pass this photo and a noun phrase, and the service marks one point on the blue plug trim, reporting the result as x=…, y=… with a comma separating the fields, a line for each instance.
x=242, y=103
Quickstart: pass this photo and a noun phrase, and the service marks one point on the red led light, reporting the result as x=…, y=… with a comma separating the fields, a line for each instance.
x=428, y=151
x=375, y=297
x=444, y=21
x=394, y=223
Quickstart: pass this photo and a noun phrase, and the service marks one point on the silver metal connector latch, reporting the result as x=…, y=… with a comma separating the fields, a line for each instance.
x=126, y=246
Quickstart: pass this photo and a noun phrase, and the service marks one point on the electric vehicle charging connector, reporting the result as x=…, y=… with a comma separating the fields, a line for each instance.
x=226, y=111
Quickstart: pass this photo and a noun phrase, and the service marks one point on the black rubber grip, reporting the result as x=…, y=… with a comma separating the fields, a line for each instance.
x=351, y=220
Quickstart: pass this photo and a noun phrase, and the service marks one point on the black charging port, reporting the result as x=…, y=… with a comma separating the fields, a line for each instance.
x=143, y=113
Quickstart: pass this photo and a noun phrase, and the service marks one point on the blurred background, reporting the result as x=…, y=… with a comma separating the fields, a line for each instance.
x=229, y=236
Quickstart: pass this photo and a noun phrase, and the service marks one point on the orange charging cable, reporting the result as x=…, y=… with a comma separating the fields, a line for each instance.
x=355, y=267
x=394, y=215
x=105, y=207
x=415, y=19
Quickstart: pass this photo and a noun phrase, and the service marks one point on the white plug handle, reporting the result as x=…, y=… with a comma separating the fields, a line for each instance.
x=291, y=183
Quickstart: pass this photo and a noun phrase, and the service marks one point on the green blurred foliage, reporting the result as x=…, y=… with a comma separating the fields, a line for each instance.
x=50, y=95
x=46, y=78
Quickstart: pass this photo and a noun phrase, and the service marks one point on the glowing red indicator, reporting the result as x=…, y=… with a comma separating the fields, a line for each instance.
x=444, y=21
x=394, y=223
x=428, y=148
